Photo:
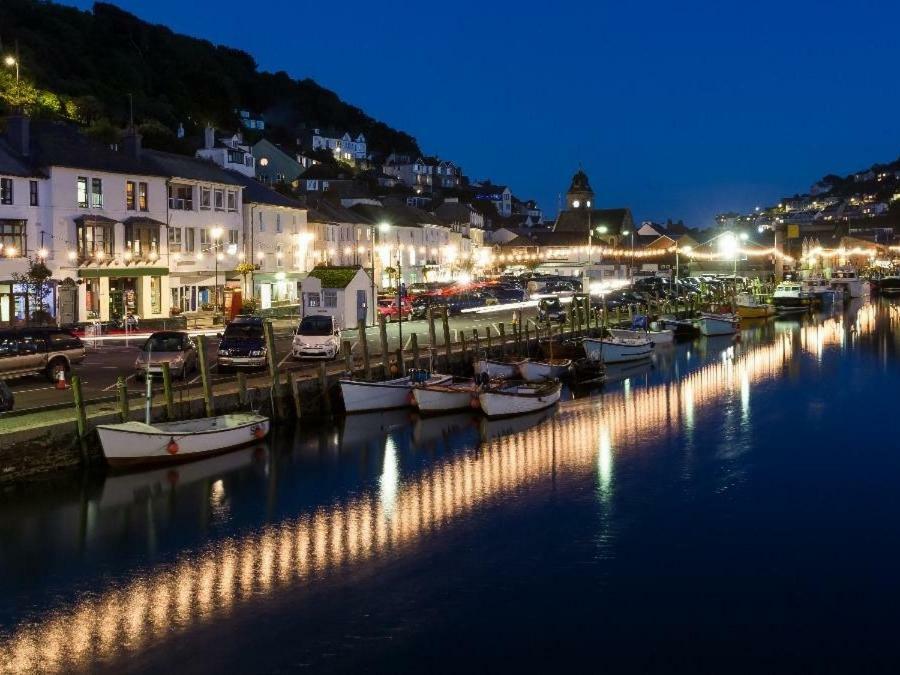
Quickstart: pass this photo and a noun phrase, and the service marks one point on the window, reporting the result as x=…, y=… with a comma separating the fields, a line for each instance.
x=174, y=239
x=205, y=198
x=130, y=195
x=235, y=157
x=329, y=297
x=143, y=198
x=96, y=193
x=232, y=237
x=278, y=222
x=205, y=239
x=142, y=239
x=12, y=236
x=82, y=192
x=156, y=295
x=232, y=200
x=312, y=299
x=94, y=237
x=6, y=191
x=181, y=197
x=33, y=192
x=189, y=240
x=219, y=199
x=279, y=255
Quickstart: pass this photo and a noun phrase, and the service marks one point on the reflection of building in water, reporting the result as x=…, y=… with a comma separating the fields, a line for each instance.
x=207, y=585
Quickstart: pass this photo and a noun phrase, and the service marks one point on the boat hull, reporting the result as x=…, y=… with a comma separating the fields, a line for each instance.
x=544, y=370
x=135, y=444
x=712, y=325
x=498, y=369
x=442, y=399
x=367, y=396
x=657, y=337
x=755, y=311
x=615, y=351
x=506, y=404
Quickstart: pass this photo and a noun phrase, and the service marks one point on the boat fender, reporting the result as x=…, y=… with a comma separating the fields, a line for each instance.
x=474, y=402
x=258, y=432
x=411, y=398
x=172, y=447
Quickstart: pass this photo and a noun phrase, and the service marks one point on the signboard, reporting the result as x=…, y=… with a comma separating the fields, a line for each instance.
x=793, y=231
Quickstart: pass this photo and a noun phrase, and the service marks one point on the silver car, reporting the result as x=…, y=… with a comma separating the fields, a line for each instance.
x=36, y=351
x=174, y=347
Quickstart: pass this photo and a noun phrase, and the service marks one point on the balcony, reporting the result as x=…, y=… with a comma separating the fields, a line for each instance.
x=181, y=204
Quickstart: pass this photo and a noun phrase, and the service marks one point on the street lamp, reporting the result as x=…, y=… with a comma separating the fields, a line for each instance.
x=626, y=233
x=729, y=245
x=13, y=62
x=600, y=230
x=216, y=234
x=687, y=250
x=384, y=228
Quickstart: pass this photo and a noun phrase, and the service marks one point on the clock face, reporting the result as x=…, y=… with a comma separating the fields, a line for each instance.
x=588, y=203
x=264, y=161
x=576, y=203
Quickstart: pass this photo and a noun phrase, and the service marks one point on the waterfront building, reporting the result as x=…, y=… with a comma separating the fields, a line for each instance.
x=344, y=292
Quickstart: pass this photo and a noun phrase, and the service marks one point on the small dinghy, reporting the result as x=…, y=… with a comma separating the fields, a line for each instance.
x=138, y=443
x=434, y=399
x=535, y=371
x=361, y=396
x=499, y=368
x=519, y=398
x=616, y=350
x=564, y=349
x=640, y=328
x=682, y=329
x=718, y=324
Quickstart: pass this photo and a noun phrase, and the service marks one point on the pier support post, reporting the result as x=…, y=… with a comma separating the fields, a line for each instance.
x=348, y=357
x=122, y=398
x=167, y=391
x=385, y=354
x=204, y=374
x=80, y=416
x=502, y=339
x=476, y=341
x=445, y=321
x=432, y=337
x=414, y=345
x=242, y=387
x=487, y=337
x=465, y=348
x=295, y=393
x=323, y=389
x=364, y=343
x=270, y=348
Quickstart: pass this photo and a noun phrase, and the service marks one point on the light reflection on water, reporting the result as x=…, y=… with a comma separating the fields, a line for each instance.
x=583, y=435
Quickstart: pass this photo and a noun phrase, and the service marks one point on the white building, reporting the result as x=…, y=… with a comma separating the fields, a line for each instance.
x=345, y=147
x=229, y=152
x=344, y=292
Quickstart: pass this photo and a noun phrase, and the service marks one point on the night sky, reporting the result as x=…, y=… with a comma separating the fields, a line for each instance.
x=675, y=109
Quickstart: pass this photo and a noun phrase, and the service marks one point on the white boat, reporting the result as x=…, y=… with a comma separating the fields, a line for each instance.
x=441, y=398
x=137, y=443
x=534, y=371
x=718, y=324
x=657, y=337
x=361, y=396
x=519, y=398
x=847, y=278
x=791, y=296
x=617, y=350
x=499, y=368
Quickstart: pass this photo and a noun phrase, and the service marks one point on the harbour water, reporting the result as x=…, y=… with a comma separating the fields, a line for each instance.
x=733, y=506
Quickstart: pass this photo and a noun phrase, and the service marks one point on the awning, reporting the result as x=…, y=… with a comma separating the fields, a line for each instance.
x=95, y=219
x=143, y=221
x=122, y=272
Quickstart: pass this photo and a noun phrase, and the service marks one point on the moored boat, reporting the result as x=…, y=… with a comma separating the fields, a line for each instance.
x=657, y=337
x=441, y=398
x=499, y=368
x=534, y=371
x=360, y=396
x=749, y=307
x=140, y=444
x=616, y=350
x=519, y=398
x=682, y=329
x=889, y=285
x=790, y=296
x=718, y=324
x=570, y=348
x=847, y=278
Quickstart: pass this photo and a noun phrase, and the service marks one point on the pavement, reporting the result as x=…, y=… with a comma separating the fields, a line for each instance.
x=114, y=355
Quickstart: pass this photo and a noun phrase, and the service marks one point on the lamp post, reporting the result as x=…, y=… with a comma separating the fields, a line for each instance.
x=13, y=62
x=626, y=233
x=600, y=230
x=216, y=234
x=385, y=228
x=688, y=250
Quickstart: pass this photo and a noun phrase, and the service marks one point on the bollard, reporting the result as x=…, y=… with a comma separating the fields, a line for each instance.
x=294, y=385
x=348, y=357
x=270, y=348
x=204, y=376
x=167, y=391
x=323, y=388
x=414, y=345
x=242, y=387
x=502, y=339
x=385, y=354
x=122, y=397
x=432, y=336
x=365, y=349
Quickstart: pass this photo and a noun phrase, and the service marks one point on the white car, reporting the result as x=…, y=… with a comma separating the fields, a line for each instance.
x=317, y=337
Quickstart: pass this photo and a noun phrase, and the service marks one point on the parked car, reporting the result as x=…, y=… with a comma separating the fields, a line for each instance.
x=243, y=345
x=174, y=347
x=550, y=309
x=35, y=351
x=457, y=302
x=506, y=295
x=317, y=337
x=421, y=305
x=387, y=307
x=7, y=400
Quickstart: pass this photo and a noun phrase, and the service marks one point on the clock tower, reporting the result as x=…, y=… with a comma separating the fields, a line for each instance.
x=580, y=194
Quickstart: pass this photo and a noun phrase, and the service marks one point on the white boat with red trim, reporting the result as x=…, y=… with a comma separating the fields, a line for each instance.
x=441, y=398
x=137, y=443
x=519, y=398
x=362, y=396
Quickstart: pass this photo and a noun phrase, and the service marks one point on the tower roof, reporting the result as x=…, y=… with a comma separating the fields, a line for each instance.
x=580, y=182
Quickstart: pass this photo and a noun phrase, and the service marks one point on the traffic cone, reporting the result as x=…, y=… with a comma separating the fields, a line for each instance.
x=61, y=379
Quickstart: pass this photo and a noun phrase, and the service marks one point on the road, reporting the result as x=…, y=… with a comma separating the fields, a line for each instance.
x=111, y=358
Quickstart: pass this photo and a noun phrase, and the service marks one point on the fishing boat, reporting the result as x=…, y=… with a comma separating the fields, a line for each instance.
x=518, y=398
x=361, y=396
x=615, y=350
x=499, y=368
x=682, y=329
x=534, y=371
x=135, y=443
x=847, y=277
x=589, y=371
x=718, y=324
x=749, y=307
x=441, y=398
x=790, y=296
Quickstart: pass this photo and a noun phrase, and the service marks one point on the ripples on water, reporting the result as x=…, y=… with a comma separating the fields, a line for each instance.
x=138, y=558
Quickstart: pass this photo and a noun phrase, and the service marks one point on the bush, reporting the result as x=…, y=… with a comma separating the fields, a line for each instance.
x=249, y=306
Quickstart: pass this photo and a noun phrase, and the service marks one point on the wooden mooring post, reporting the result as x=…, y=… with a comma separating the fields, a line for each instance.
x=364, y=345
x=167, y=391
x=204, y=376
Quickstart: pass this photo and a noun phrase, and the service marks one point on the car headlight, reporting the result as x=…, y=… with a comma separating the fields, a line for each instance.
x=258, y=352
x=223, y=352
x=178, y=360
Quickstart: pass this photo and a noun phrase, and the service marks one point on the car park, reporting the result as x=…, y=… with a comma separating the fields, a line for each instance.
x=174, y=347
x=39, y=351
x=317, y=337
x=243, y=345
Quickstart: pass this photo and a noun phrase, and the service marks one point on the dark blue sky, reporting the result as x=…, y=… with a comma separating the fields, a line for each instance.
x=676, y=109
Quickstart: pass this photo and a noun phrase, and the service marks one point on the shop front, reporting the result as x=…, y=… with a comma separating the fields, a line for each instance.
x=108, y=294
x=277, y=289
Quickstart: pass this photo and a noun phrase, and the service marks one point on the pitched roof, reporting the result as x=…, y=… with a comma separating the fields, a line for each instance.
x=576, y=220
x=396, y=214
x=257, y=193
x=325, y=211
x=189, y=168
x=335, y=276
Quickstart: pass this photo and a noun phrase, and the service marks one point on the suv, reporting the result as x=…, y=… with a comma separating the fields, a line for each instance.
x=317, y=336
x=243, y=345
x=32, y=351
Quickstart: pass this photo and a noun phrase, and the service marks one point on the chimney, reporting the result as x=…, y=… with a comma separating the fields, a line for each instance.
x=209, y=137
x=18, y=128
x=131, y=141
